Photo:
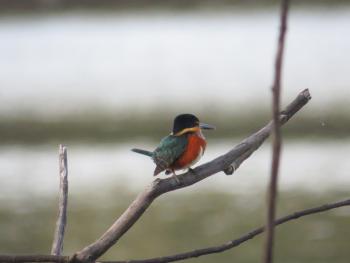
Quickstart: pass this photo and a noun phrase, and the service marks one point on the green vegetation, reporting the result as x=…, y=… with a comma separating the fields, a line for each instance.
x=181, y=221
x=63, y=5
x=108, y=127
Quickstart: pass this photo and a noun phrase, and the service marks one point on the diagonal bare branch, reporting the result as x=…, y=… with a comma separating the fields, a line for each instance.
x=57, y=245
x=236, y=242
x=233, y=158
x=190, y=254
x=277, y=139
x=32, y=258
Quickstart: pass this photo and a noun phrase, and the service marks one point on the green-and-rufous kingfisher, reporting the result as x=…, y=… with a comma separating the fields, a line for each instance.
x=182, y=148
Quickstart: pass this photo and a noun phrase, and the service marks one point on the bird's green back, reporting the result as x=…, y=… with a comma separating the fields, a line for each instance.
x=169, y=149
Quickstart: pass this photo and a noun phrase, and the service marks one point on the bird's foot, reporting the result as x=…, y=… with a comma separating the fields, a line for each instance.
x=173, y=176
x=192, y=171
x=176, y=178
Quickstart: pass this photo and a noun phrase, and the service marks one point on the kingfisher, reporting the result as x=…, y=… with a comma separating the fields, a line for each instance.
x=182, y=148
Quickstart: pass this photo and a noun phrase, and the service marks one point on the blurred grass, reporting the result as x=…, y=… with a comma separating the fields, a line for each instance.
x=182, y=221
x=109, y=127
x=11, y=6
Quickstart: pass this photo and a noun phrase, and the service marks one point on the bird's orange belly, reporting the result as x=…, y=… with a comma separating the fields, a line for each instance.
x=194, y=151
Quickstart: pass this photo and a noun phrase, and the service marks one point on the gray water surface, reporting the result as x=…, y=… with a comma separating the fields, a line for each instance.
x=33, y=171
x=71, y=62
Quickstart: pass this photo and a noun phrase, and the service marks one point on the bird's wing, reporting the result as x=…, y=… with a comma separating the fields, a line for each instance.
x=169, y=149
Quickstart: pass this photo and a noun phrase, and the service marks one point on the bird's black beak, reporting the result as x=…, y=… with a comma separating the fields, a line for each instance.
x=205, y=126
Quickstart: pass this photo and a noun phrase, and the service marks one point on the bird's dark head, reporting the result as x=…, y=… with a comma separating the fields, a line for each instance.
x=184, y=123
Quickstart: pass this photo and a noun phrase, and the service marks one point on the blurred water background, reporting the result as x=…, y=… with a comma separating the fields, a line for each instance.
x=103, y=79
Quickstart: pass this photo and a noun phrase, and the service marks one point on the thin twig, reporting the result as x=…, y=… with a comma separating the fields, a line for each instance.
x=190, y=254
x=277, y=140
x=57, y=245
x=236, y=242
x=33, y=258
x=233, y=158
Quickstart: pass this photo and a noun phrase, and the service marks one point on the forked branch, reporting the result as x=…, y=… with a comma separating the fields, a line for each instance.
x=228, y=162
x=190, y=254
x=236, y=242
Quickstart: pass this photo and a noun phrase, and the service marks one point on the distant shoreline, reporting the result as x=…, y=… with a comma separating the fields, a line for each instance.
x=37, y=6
x=116, y=127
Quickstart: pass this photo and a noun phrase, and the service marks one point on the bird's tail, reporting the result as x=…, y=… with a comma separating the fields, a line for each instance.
x=144, y=152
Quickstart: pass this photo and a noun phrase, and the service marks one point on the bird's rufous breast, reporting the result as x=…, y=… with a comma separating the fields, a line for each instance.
x=193, y=152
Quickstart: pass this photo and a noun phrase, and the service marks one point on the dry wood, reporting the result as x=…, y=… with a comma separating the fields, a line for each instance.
x=236, y=242
x=190, y=254
x=158, y=187
x=33, y=258
x=277, y=139
x=57, y=245
x=228, y=162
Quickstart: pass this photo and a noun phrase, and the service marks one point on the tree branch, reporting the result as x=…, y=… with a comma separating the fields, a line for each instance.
x=236, y=242
x=228, y=162
x=277, y=140
x=158, y=187
x=33, y=258
x=57, y=245
x=190, y=254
